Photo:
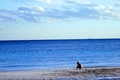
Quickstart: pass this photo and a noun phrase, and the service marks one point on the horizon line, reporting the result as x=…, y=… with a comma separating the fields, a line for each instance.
x=58, y=39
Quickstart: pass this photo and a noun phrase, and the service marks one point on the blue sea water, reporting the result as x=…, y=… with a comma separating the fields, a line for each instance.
x=54, y=54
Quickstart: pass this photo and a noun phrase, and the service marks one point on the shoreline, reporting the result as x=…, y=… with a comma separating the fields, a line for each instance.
x=60, y=74
x=34, y=69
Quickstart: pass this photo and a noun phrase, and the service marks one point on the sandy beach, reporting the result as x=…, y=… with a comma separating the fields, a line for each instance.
x=96, y=73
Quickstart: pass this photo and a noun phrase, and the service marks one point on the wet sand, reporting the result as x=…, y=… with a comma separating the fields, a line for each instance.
x=97, y=73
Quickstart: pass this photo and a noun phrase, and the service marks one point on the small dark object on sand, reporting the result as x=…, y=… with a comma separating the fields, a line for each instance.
x=78, y=66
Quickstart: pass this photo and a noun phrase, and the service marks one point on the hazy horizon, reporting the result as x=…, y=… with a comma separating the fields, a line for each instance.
x=59, y=39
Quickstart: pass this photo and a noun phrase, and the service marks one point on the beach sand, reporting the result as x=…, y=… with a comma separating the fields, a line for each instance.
x=95, y=73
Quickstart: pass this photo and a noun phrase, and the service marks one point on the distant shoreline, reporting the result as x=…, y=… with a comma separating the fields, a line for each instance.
x=56, y=74
x=60, y=39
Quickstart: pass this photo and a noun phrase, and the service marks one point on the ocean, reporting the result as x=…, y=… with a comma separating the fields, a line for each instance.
x=58, y=54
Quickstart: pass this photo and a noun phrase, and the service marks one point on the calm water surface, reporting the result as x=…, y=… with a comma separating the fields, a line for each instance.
x=53, y=54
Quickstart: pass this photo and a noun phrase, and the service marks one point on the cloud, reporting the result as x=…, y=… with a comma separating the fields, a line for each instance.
x=66, y=10
x=30, y=13
x=77, y=2
x=58, y=2
x=31, y=9
x=45, y=1
x=6, y=17
x=117, y=4
x=21, y=1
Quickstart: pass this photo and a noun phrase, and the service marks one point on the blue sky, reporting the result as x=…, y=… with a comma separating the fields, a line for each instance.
x=59, y=19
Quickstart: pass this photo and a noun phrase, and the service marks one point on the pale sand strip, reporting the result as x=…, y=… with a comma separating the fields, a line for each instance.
x=61, y=74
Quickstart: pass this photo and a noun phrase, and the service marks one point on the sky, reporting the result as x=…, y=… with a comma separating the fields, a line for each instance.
x=59, y=19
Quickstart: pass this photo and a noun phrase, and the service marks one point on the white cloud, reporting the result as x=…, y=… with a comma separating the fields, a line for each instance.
x=39, y=8
x=83, y=2
x=31, y=8
x=51, y=2
x=44, y=1
x=71, y=8
x=76, y=2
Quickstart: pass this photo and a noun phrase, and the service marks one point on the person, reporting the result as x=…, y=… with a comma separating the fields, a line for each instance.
x=78, y=66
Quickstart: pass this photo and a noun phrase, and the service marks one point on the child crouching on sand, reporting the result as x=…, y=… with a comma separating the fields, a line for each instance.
x=79, y=66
